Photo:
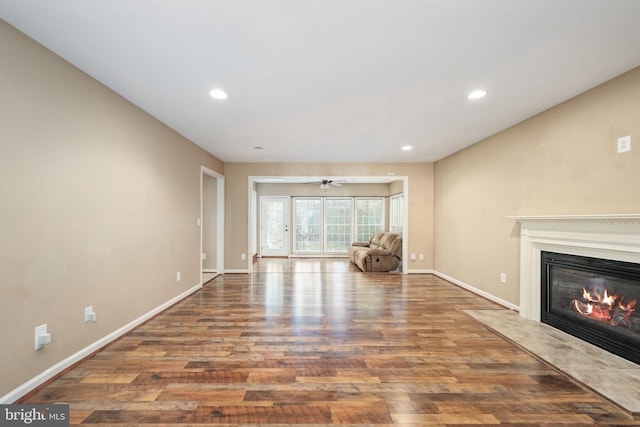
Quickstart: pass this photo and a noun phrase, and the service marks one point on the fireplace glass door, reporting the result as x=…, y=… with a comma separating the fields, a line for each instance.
x=593, y=299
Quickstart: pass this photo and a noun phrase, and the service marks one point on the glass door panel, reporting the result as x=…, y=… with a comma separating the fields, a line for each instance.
x=274, y=225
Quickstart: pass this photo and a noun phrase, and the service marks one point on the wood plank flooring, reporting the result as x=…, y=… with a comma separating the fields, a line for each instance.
x=319, y=343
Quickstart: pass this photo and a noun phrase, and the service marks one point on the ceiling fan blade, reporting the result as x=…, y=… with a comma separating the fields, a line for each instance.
x=337, y=184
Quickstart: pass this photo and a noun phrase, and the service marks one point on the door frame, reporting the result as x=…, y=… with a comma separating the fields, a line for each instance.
x=220, y=247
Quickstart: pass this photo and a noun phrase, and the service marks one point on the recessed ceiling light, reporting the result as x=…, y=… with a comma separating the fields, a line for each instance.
x=477, y=94
x=218, y=94
x=407, y=148
x=258, y=147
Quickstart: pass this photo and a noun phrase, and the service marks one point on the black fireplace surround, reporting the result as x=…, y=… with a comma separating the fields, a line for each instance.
x=594, y=299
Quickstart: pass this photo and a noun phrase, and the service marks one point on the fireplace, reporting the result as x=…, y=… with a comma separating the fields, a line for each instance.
x=613, y=237
x=594, y=299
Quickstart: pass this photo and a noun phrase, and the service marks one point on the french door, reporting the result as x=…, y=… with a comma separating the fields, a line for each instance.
x=274, y=226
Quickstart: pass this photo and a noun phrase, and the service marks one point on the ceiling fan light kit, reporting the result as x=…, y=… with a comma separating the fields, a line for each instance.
x=325, y=184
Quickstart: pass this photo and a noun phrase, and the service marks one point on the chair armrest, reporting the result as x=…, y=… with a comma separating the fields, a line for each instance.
x=361, y=244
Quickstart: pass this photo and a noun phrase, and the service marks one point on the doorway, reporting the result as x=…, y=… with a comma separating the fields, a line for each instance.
x=274, y=226
x=254, y=232
x=211, y=223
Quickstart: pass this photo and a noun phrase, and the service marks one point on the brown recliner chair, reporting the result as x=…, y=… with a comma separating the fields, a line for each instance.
x=382, y=253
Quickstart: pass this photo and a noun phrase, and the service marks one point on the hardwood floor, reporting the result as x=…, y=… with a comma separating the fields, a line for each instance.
x=319, y=342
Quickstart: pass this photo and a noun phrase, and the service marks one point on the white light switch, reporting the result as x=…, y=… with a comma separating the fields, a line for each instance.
x=624, y=144
x=89, y=314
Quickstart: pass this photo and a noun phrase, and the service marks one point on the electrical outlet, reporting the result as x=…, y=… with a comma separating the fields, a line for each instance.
x=42, y=337
x=243, y=257
x=178, y=276
x=204, y=256
x=421, y=257
x=413, y=257
x=503, y=278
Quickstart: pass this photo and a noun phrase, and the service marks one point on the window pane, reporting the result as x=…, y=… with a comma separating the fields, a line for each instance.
x=369, y=217
x=307, y=225
x=396, y=214
x=275, y=221
x=338, y=216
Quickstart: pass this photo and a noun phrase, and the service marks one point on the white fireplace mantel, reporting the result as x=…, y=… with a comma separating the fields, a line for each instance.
x=615, y=236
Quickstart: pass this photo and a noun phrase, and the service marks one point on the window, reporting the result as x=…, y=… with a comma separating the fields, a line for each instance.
x=369, y=217
x=329, y=224
x=396, y=214
x=307, y=225
x=338, y=214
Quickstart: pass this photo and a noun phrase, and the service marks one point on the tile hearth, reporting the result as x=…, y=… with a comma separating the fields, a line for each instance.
x=611, y=376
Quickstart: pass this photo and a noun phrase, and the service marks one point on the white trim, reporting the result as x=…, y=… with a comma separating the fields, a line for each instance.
x=405, y=225
x=252, y=233
x=253, y=221
x=220, y=207
x=616, y=217
x=477, y=291
x=220, y=236
x=54, y=370
x=236, y=270
x=325, y=255
x=209, y=270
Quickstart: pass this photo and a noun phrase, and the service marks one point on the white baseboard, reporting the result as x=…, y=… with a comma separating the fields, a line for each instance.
x=51, y=372
x=344, y=256
x=236, y=270
x=416, y=271
x=477, y=291
x=209, y=270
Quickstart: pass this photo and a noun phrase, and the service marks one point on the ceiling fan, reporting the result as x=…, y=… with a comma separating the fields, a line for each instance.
x=325, y=184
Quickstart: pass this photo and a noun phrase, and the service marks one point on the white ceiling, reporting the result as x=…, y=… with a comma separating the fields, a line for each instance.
x=338, y=80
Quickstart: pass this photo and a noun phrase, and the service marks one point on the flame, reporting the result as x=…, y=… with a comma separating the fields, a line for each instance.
x=603, y=307
x=609, y=300
x=628, y=307
x=581, y=307
x=600, y=299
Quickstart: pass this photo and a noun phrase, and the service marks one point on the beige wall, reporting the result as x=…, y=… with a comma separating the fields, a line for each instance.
x=98, y=206
x=395, y=188
x=419, y=204
x=314, y=190
x=563, y=161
